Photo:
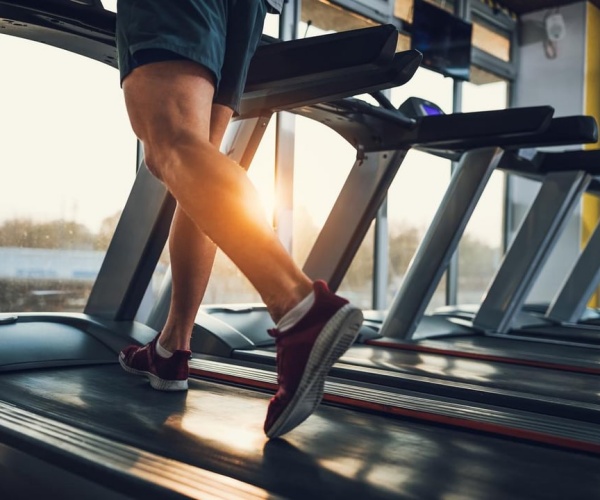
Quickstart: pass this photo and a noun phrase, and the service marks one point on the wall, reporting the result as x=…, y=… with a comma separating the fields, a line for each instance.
x=556, y=80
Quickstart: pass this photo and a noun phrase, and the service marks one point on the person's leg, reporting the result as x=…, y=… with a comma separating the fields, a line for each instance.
x=192, y=255
x=169, y=106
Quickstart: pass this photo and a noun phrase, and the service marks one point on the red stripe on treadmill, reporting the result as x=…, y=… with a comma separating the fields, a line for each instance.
x=539, y=437
x=223, y=377
x=470, y=424
x=485, y=357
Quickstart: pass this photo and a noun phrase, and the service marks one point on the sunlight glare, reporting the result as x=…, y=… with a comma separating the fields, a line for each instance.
x=110, y=5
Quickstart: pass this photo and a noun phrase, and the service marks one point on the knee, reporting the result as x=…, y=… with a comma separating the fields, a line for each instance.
x=167, y=156
x=162, y=154
x=155, y=160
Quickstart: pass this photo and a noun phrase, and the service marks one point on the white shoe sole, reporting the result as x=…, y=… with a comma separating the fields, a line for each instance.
x=156, y=382
x=337, y=336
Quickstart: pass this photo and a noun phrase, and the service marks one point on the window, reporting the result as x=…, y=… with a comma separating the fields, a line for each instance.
x=323, y=160
x=68, y=163
x=481, y=247
x=419, y=186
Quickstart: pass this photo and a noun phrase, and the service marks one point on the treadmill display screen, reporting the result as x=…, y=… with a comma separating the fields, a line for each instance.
x=443, y=39
x=431, y=110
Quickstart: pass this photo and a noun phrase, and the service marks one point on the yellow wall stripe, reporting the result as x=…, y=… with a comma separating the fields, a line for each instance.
x=591, y=204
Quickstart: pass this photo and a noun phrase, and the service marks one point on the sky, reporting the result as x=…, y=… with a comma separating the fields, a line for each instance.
x=67, y=150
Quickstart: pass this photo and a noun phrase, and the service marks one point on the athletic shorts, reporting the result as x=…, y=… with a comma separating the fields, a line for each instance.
x=221, y=35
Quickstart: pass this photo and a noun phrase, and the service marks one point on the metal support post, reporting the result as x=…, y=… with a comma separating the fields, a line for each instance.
x=571, y=300
x=440, y=242
x=537, y=236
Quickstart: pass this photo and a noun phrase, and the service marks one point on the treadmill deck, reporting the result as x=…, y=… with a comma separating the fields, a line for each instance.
x=337, y=453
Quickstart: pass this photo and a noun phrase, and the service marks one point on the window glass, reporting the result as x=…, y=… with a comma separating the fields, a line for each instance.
x=413, y=200
x=357, y=285
x=271, y=26
x=480, y=249
x=68, y=163
x=110, y=5
x=322, y=162
x=419, y=186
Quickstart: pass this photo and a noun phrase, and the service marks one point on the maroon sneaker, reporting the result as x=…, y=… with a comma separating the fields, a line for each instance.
x=165, y=374
x=305, y=354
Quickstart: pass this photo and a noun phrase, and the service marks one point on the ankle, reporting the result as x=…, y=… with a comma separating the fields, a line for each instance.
x=162, y=352
x=280, y=306
x=174, y=342
x=294, y=315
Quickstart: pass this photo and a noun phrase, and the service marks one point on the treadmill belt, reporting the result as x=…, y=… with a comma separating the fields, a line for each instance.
x=544, y=382
x=337, y=453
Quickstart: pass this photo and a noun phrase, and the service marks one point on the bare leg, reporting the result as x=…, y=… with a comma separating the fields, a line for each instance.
x=169, y=106
x=192, y=256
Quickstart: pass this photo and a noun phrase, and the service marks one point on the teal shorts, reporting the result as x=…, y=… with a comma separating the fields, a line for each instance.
x=221, y=35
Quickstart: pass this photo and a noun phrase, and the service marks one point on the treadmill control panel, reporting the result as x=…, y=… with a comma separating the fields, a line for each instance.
x=415, y=107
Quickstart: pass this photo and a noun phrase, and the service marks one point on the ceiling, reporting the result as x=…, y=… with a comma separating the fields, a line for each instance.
x=524, y=6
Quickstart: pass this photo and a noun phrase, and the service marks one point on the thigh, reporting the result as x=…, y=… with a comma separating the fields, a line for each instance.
x=168, y=101
x=244, y=29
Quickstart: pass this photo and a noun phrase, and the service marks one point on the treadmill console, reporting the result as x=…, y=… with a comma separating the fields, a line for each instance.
x=415, y=107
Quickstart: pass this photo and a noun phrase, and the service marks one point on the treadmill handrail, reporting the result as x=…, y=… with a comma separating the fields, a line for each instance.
x=379, y=129
x=566, y=130
x=586, y=160
x=544, y=163
x=342, y=83
x=295, y=60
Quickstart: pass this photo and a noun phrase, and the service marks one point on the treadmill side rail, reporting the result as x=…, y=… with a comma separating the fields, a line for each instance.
x=530, y=249
x=571, y=300
x=440, y=241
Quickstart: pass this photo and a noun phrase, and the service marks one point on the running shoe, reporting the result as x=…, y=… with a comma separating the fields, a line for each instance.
x=165, y=374
x=305, y=354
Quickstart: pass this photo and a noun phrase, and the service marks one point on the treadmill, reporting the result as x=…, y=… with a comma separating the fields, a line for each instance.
x=569, y=305
x=564, y=178
x=229, y=335
x=464, y=333
x=499, y=372
x=71, y=422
